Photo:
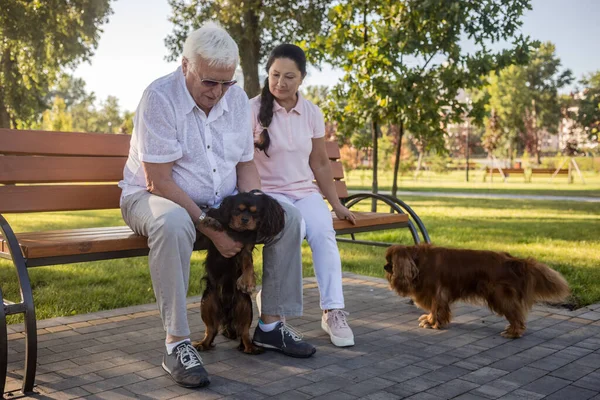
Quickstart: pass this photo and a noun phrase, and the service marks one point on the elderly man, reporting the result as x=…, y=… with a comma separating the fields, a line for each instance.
x=192, y=146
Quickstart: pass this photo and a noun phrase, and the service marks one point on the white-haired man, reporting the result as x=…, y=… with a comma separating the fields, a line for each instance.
x=192, y=146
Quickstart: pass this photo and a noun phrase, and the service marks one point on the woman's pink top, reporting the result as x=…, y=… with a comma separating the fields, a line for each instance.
x=286, y=170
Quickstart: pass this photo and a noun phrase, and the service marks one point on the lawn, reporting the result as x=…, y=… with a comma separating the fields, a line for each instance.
x=454, y=182
x=565, y=235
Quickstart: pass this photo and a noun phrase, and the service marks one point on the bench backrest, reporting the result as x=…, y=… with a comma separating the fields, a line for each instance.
x=67, y=171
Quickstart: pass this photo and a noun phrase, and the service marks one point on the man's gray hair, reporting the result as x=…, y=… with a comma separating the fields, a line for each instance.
x=213, y=44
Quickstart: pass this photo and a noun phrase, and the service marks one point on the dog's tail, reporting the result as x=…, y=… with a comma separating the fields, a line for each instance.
x=548, y=284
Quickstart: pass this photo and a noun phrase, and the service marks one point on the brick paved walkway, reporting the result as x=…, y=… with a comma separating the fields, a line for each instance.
x=117, y=355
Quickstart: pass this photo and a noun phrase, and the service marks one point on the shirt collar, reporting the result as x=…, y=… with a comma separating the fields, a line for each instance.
x=298, y=108
x=188, y=100
x=190, y=103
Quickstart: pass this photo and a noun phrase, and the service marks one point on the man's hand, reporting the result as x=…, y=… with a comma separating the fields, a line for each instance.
x=225, y=244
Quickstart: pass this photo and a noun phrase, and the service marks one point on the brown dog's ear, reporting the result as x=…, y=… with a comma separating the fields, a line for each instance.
x=404, y=266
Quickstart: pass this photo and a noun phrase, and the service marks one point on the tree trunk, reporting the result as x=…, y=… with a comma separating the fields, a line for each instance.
x=419, y=164
x=397, y=161
x=374, y=132
x=4, y=116
x=538, y=148
x=250, y=51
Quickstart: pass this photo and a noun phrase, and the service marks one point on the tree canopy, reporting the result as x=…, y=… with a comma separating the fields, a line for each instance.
x=37, y=40
x=256, y=25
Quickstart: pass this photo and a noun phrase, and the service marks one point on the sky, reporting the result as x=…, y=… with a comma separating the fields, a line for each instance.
x=131, y=51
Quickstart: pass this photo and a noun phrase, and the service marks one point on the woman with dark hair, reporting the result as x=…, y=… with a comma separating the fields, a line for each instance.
x=289, y=137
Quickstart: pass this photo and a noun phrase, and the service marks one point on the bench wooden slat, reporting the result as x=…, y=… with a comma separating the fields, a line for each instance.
x=333, y=150
x=337, y=169
x=17, y=199
x=78, y=241
x=63, y=143
x=70, y=242
x=549, y=171
x=341, y=189
x=44, y=169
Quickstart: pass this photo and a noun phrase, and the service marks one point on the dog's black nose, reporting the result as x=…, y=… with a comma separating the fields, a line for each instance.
x=245, y=220
x=388, y=268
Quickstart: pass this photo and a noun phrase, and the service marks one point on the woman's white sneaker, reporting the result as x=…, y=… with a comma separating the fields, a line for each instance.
x=334, y=323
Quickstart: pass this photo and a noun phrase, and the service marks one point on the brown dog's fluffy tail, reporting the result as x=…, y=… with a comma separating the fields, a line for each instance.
x=548, y=284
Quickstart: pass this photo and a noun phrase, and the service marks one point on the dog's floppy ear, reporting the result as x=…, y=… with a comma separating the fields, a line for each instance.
x=223, y=213
x=272, y=216
x=404, y=267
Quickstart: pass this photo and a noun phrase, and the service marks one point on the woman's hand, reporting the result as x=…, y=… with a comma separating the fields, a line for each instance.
x=343, y=213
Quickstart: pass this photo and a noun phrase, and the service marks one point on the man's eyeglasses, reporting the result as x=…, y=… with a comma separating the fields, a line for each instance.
x=213, y=83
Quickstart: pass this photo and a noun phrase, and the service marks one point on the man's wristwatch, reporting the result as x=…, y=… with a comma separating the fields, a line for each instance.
x=200, y=218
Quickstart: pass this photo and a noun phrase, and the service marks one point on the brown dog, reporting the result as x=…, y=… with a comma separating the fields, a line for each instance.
x=248, y=218
x=436, y=277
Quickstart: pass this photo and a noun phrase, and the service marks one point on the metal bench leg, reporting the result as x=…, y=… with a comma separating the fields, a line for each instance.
x=3, y=347
x=396, y=205
x=26, y=306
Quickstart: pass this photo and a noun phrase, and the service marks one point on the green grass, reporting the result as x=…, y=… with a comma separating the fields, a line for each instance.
x=454, y=182
x=565, y=235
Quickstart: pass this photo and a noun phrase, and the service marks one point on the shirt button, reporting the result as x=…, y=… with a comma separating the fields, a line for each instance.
x=217, y=193
x=208, y=147
x=214, y=170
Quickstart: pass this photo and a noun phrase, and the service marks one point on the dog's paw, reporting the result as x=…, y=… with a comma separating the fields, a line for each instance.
x=202, y=346
x=425, y=324
x=425, y=317
x=245, y=285
x=508, y=334
x=252, y=349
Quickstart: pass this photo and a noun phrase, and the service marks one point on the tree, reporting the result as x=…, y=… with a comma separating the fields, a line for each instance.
x=69, y=88
x=109, y=118
x=256, y=25
x=404, y=63
x=38, y=39
x=588, y=114
x=127, y=125
x=57, y=118
x=526, y=100
x=544, y=79
x=84, y=114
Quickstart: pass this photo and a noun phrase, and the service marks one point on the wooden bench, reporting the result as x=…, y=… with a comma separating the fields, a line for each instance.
x=504, y=172
x=56, y=171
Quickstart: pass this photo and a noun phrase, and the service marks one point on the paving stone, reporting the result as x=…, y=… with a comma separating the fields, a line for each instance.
x=590, y=381
x=484, y=375
x=424, y=396
x=452, y=389
x=572, y=393
x=381, y=396
x=446, y=374
x=363, y=388
x=495, y=389
x=325, y=386
x=470, y=396
x=572, y=371
x=522, y=395
x=283, y=385
x=112, y=383
x=546, y=385
x=523, y=376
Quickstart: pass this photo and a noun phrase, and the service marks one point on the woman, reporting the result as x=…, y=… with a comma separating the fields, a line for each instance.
x=289, y=136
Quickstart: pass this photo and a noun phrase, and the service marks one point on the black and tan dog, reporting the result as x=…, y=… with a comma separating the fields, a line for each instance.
x=247, y=218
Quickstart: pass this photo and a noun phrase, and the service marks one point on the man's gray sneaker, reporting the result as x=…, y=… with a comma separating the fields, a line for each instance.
x=184, y=365
x=284, y=339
